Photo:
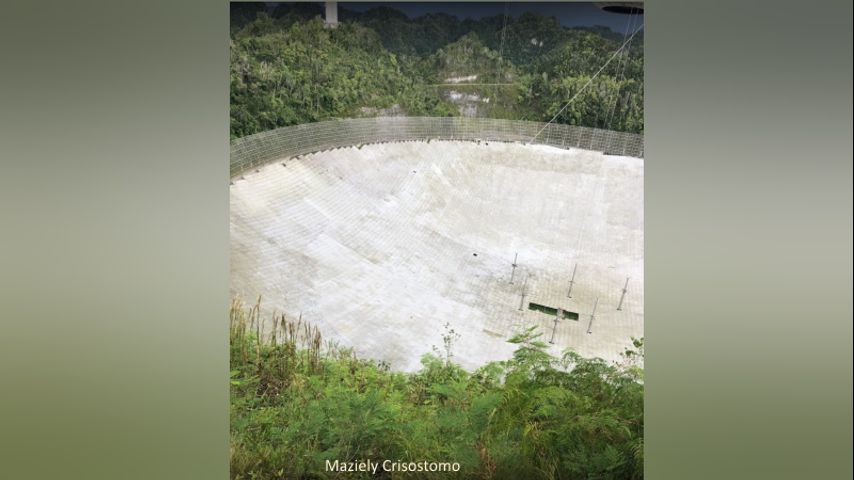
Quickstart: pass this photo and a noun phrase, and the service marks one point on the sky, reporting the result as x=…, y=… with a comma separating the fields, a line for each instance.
x=570, y=14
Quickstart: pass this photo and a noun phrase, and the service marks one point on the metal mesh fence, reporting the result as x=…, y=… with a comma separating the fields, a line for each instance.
x=256, y=150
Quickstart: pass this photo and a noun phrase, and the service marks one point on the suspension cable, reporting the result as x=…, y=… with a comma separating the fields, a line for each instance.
x=498, y=80
x=621, y=67
x=588, y=82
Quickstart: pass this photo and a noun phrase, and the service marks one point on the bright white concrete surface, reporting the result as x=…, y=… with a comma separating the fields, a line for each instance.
x=382, y=245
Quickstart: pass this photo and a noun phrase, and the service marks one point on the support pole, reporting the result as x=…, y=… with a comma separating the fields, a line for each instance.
x=623, y=296
x=331, y=20
x=554, y=328
x=524, y=293
x=572, y=281
x=513, y=272
x=592, y=316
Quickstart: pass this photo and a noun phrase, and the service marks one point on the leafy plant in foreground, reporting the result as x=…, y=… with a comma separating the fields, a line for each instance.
x=296, y=403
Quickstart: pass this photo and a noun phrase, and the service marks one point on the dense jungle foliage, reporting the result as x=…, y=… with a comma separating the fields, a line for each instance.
x=296, y=403
x=286, y=68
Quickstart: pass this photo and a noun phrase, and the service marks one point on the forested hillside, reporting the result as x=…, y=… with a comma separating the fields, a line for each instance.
x=287, y=68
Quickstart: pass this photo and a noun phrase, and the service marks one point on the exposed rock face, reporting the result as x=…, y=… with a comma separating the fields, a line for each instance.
x=469, y=78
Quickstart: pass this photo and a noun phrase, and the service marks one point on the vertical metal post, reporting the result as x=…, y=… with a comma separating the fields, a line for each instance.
x=554, y=328
x=524, y=293
x=513, y=272
x=623, y=296
x=572, y=281
x=592, y=316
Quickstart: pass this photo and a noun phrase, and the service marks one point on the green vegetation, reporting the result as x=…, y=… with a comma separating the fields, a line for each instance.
x=286, y=68
x=296, y=403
